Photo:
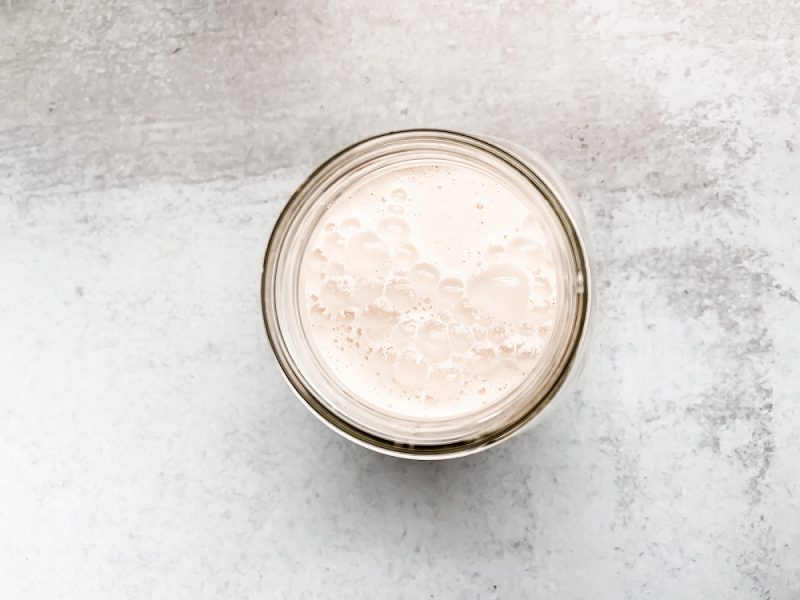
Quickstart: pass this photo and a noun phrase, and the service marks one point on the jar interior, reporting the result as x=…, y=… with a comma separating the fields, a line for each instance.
x=285, y=287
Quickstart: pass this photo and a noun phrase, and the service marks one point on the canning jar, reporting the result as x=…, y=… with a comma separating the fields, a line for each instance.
x=427, y=293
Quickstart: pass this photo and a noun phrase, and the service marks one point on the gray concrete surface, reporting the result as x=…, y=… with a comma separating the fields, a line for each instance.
x=148, y=446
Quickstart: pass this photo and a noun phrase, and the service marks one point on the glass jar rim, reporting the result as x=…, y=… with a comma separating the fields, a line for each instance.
x=540, y=177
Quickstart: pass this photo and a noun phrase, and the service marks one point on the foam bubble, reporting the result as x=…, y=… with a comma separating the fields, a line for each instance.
x=318, y=313
x=527, y=253
x=532, y=227
x=400, y=293
x=494, y=254
x=396, y=209
x=410, y=369
x=404, y=256
x=448, y=291
x=432, y=340
x=506, y=349
x=404, y=332
x=336, y=294
x=367, y=289
x=528, y=328
x=460, y=338
x=349, y=227
x=394, y=231
x=366, y=255
x=496, y=333
x=464, y=311
x=483, y=358
x=423, y=276
x=377, y=318
x=336, y=269
x=500, y=291
x=383, y=358
x=334, y=245
x=445, y=381
x=317, y=261
x=541, y=290
x=528, y=352
x=540, y=311
x=399, y=195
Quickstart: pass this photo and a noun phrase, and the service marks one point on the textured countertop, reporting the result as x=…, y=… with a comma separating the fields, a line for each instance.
x=150, y=449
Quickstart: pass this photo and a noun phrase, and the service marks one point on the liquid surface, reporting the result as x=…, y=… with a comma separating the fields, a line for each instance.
x=430, y=291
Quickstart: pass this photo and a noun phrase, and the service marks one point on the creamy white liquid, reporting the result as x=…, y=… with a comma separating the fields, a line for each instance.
x=430, y=290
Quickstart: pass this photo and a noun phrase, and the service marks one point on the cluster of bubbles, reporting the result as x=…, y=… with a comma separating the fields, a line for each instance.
x=419, y=326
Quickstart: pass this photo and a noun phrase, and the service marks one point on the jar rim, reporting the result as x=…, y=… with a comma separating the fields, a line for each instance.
x=543, y=180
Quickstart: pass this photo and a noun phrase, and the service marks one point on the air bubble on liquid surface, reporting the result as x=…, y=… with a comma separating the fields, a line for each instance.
x=423, y=276
x=377, y=318
x=483, y=358
x=336, y=294
x=464, y=311
x=461, y=339
x=366, y=255
x=500, y=292
x=394, y=231
x=318, y=313
x=410, y=369
x=366, y=289
x=532, y=227
x=349, y=227
x=541, y=290
x=527, y=352
x=317, y=261
x=528, y=327
x=334, y=245
x=540, y=311
x=335, y=269
x=383, y=359
x=399, y=195
x=447, y=292
x=400, y=293
x=444, y=381
x=404, y=332
x=506, y=350
x=404, y=256
x=432, y=340
x=396, y=209
x=494, y=253
x=527, y=253
x=496, y=333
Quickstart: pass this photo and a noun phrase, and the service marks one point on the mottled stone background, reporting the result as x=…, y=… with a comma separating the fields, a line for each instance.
x=149, y=448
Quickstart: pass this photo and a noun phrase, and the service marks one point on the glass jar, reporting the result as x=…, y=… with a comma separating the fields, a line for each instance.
x=326, y=394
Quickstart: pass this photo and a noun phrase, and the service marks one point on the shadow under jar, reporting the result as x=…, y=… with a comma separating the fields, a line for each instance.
x=427, y=293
